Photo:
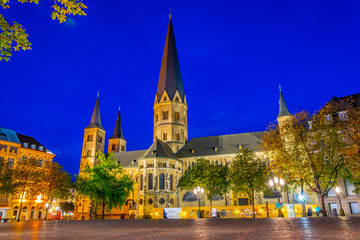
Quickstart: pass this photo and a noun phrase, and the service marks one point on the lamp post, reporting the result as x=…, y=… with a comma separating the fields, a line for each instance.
x=198, y=191
x=277, y=185
x=337, y=189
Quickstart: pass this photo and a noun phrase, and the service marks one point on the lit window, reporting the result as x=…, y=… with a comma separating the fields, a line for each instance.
x=350, y=188
x=177, y=136
x=165, y=115
x=310, y=124
x=33, y=146
x=354, y=207
x=10, y=162
x=39, y=163
x=25, y=144
x=343, y=116
x=41, y=148
x=328, y=119
x=176, y=115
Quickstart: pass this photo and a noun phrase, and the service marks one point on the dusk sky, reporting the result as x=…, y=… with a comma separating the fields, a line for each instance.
x=233, y=55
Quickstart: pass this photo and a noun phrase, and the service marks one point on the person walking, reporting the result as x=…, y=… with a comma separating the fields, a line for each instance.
x=309, y=213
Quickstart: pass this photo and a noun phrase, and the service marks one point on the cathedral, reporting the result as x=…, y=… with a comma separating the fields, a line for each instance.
x=157, y=170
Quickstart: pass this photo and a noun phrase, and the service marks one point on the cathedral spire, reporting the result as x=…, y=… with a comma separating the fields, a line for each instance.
x=118, y=132
x=96, y=118
x=283, y=110
x=170, y=76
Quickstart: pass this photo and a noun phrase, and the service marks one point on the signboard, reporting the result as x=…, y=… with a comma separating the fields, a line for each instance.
x=172, y=213
x=290, y=210
x=213, y=212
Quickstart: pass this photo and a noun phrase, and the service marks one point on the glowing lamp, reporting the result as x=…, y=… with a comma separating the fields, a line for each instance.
x=271, y=183
x=276, y=180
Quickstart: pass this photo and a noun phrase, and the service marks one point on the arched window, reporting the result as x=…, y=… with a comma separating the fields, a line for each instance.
x=171, y=182
x=150, y=181
x=141, y=182
x=161, y=181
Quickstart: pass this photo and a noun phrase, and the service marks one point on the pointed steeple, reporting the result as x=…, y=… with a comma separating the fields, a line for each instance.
x=118, y=132
x=170, y=76
x=283, y=110
x=96, y=118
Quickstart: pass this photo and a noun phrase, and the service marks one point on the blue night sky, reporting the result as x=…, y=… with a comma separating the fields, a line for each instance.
x=233, y=55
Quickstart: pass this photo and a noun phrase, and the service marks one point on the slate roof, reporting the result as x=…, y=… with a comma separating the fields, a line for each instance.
x=31, y=140
x=159, y=149
x=118, y=132
x=224, y=144
x=96, y=118
x=8, y=135
x=170, y=76
x=126, y=159
x=283, y=110
x=354, y=98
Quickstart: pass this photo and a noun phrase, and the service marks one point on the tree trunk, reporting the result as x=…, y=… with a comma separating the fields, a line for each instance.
x=103, y=211
x=253, y=202
x=20, y=210
x=210, y=204
x=322, y=205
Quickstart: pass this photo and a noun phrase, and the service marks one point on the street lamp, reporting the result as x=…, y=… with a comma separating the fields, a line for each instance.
x=337, y=189
x=277, y=186
x=198, y=191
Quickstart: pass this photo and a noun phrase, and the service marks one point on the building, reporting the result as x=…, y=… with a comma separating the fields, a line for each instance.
x=15, y=147
x=157, y=170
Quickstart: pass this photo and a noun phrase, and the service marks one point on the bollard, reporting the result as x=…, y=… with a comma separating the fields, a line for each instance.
x=267, y=209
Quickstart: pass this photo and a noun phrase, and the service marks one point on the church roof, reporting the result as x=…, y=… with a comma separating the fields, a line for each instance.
x=159, y=149
x=283, y=110
x=96, y=118
x=170, y=76
x=118, y=132
x=219, y=145
x=129, y=159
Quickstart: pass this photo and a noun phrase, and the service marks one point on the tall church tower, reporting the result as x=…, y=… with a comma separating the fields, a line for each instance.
x=117, y=142
x=94, y=138
x=170, y=107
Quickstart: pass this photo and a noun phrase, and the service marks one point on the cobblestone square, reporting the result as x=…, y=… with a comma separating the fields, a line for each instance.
x=275, y=228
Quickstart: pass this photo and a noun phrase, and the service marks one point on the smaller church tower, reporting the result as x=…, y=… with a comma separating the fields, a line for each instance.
x=284, y=114
x=117, y=142
x=94, y=138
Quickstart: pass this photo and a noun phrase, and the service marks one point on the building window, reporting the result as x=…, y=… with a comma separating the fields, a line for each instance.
x=165, y=98
x=141, y=182
x=172, y=201
x=350, y=188
x=165, y=115
x=113, y=147
x=343, y=116
x=25, y=144
x=41, y=148
x=332, y=206
x=161, y=181
x=331, y=192
x=177, y=136
x=177, y=99
x=88, y=153
x=164, y=136
x=162, y=201
x=33, y=146
x=10, y=162
x=328, y=119
x=176, y=115
x=90, y=138
x=39, y=163
x=150, y=201
x=100, y=139
x=354, y=207
x=171, y=182
x=122, y=148
x=310, y=124
x=156, y=118
x=150, y=181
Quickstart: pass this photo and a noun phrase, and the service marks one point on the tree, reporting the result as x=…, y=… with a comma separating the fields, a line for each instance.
x=213, y=178
x=13, y=36
x=248, y=174
x=6, y=178
x=67, y=206
x=106, y=183
x=57, y=183
x=307, y=148
x=28, y=179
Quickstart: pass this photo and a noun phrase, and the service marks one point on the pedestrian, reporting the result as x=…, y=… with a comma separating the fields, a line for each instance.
x=309, y=213
x=318, y=211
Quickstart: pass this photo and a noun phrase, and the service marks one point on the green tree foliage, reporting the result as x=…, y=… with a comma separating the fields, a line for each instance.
x=6, y=178
x=106, y=183
x=248, y=174
x=13, y=36
x=213, y=178
x=28, y=180
x=57, y=183
x=67, y=206
x=307, y=148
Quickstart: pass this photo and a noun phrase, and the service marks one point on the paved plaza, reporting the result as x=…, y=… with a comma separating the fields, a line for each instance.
x=290, y=228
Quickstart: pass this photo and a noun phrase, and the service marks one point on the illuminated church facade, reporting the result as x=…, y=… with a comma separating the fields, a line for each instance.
x=157, y=170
